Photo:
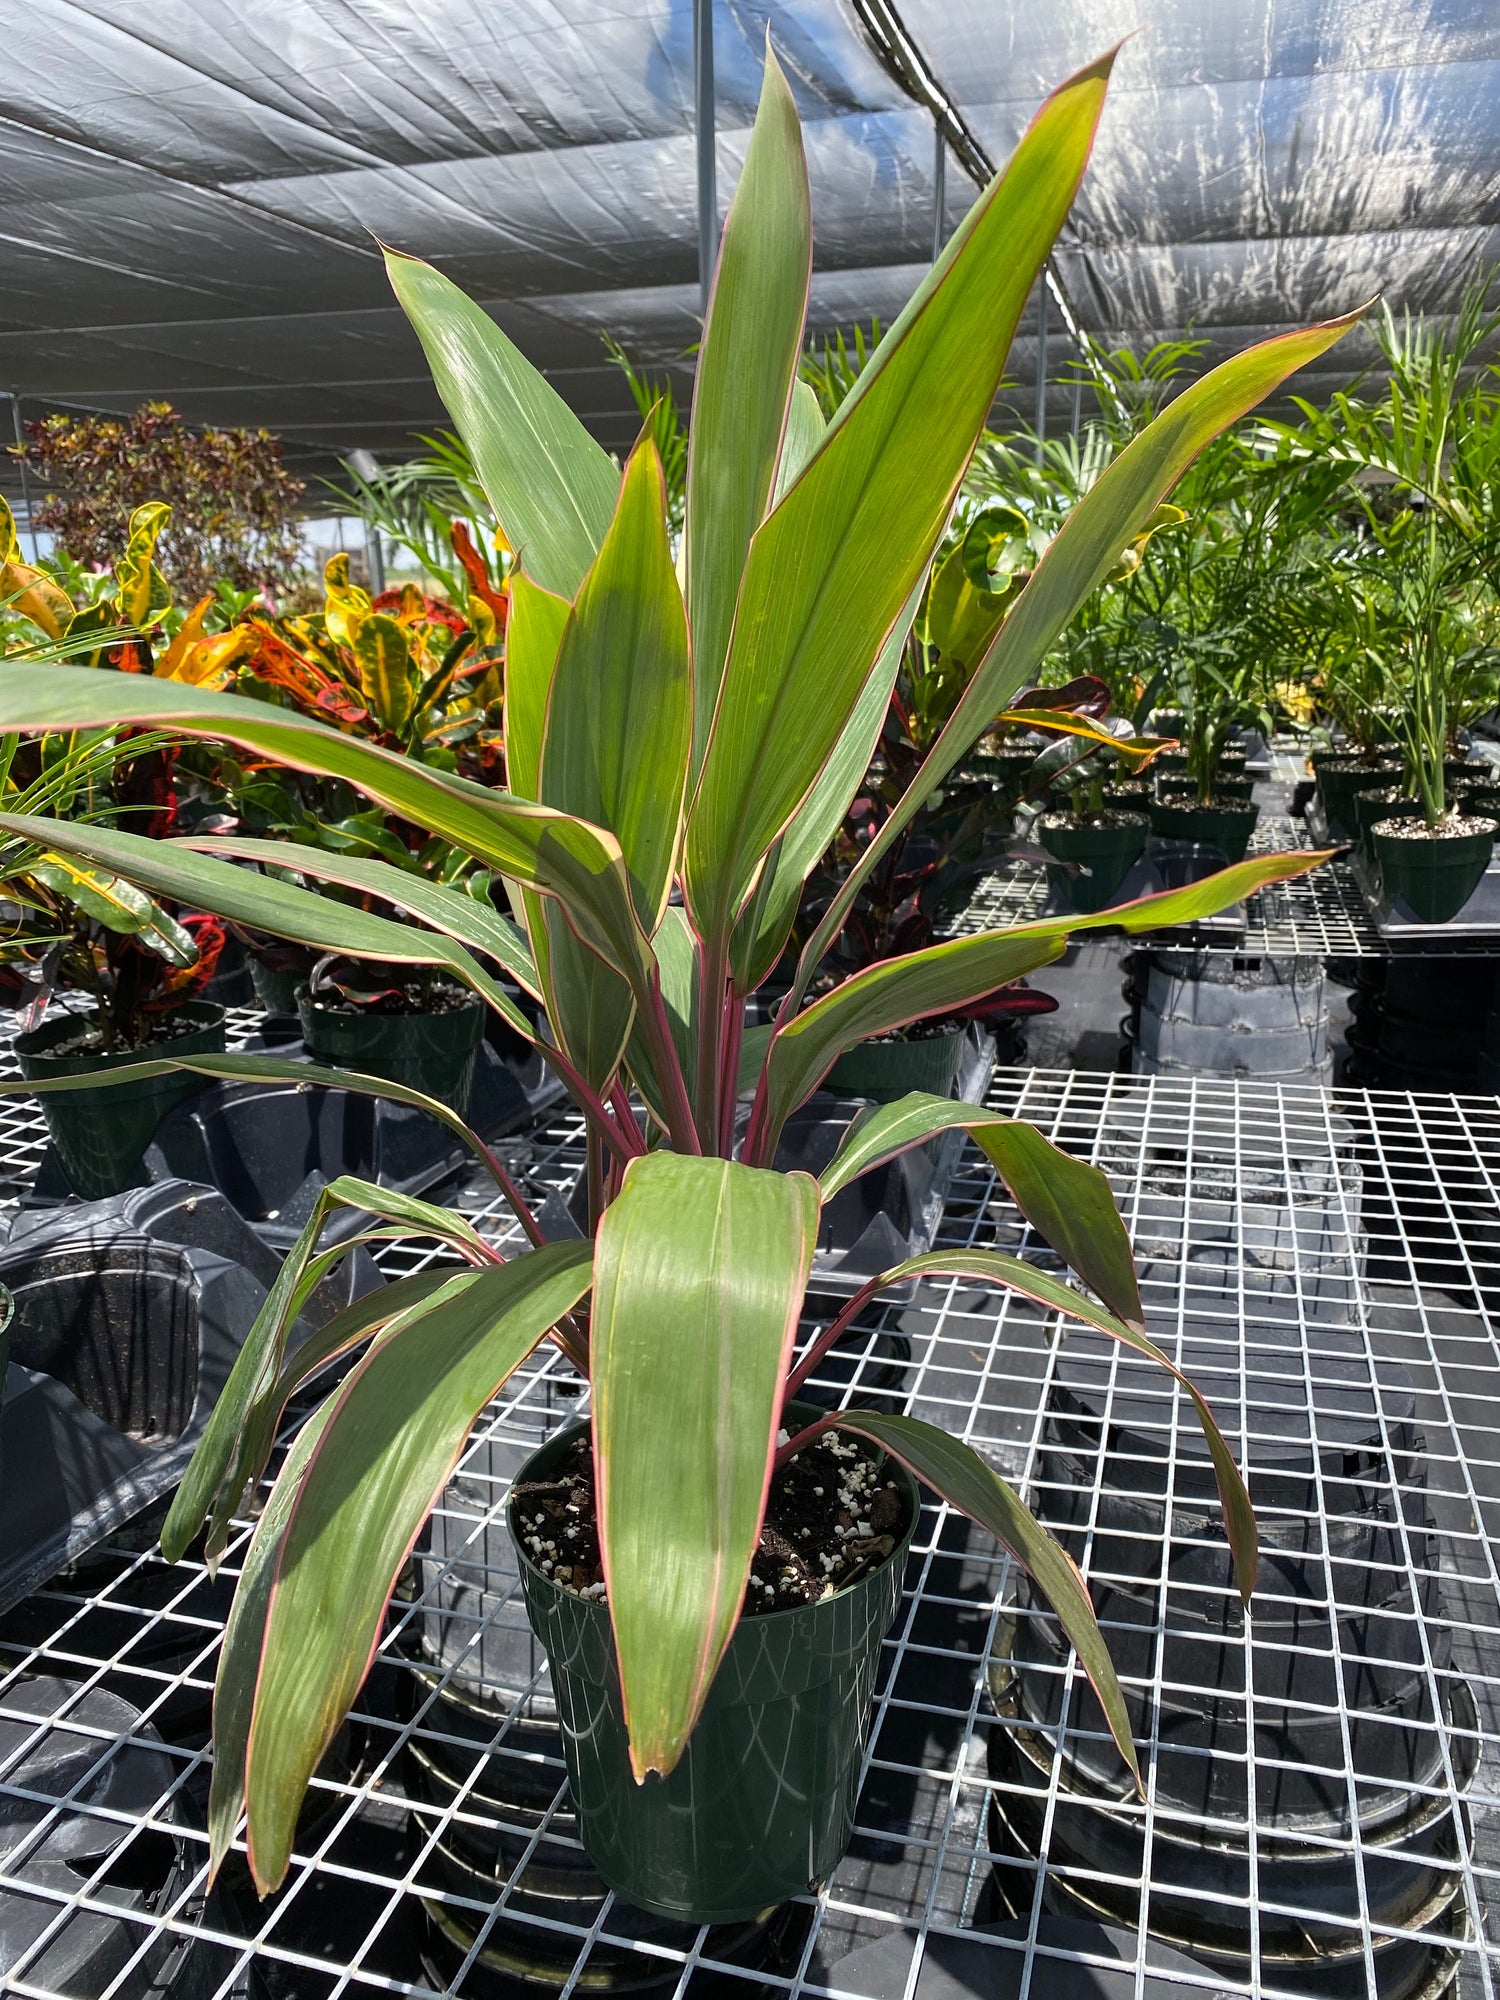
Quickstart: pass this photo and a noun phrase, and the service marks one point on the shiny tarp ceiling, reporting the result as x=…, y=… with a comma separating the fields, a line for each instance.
x=192, y=189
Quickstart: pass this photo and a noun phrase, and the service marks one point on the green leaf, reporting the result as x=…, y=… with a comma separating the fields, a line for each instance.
x=117, y=904
x=449, y=911
x=1121, y=506
x=171, y=868
x=620, y=711
x=804, y=433
x=385, y=674
x=533, y=635
x=700, y=1270
x=831, y=566
x=615, y=747
x=579, y=864
x=273, y=1068
x=947, y=976
x=746, y=368
x=960, y=1476
x=378, y=1312
x=244, y=1635
x=676, y=951
x=760, y=936
x=386, y=1451
x=552, y=488
x=1067, y=1201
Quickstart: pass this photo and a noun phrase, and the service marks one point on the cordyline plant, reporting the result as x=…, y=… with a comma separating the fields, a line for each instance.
x=707, y=743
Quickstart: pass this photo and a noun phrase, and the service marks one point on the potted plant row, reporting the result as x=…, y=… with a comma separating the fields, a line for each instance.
x=678, y=758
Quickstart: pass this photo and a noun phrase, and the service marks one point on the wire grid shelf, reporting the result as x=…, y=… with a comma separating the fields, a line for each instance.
x=1355, y=1237
x=1318, y=915
x=23, y=1131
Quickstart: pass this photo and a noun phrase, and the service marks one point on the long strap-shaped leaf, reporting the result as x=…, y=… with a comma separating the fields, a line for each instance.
x=1067, y=1201
x=945, y=976
x=699, y=1275
x=391, y=1441
x=1015, y=1275
x=446, y=910
x=1115, y=510
x=832, y=564
x=746, y=368
x=615, y=747
x=960, y=1476
x=279, y=1069
x=564, y=857
x=551, y=486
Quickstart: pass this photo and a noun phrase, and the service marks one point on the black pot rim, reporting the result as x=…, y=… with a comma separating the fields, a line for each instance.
x=209, y=1013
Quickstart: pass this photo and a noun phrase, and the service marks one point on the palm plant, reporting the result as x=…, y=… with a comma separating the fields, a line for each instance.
x=1420, y=467
x=676, y=762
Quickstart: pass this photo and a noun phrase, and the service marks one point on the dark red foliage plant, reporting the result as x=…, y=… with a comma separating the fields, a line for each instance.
x=233, y=501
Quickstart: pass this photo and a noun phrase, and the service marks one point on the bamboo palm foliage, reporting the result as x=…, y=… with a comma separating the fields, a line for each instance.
x=677, y=761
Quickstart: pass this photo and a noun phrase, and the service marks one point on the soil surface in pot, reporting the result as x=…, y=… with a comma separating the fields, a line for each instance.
x=1111, y=816
x=1453, y=826
x=833, y=1514
x=161, y=1031
x=411, y=998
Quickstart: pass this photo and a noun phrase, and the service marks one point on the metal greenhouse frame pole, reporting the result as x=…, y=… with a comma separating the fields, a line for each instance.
x=703, y=121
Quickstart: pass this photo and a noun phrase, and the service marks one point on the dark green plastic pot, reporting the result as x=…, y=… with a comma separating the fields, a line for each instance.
x=1339, y=779
x=433, y=1053
x=100, y=1136
x=1377, y=803
x=1227, y=828
x=1107, y=852
x=1434, y=878
x=1008, y=768
x=884, y=1071
x=761, y=1806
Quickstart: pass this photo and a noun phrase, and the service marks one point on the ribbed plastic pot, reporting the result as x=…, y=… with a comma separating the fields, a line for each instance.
x=433, y=1053
x=1226, y=827
x=1107, y=852
x=1379, y=802
x=884, y=1071
x=1433, y=877
x=1338, y=781
x=100, y=1136
x=761, y=1806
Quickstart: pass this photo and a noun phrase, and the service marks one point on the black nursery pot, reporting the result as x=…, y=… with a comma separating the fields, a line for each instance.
x=1378, y=803
x=1107, y=851
x=761, y=1806
x=1339, y=778
x=886, y=1070
x=1434, y=875
x=1226, y=827
x=100, y=1136
x=433, y=1053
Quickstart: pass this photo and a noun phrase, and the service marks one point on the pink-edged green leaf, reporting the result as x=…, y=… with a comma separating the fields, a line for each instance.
x=761, y=934
x=1117, y=509
x=700, y=1269
x=1067, y=1201
x=615, y=748
x=533, y=637
x=266, y=1068
x=832, y=564
x=952, y=975
x=449, y=911
x=388, y=1447
x=960, y=1476
x=997, y=1268
x=579, y=864
x=551, y=486
x=746, y=367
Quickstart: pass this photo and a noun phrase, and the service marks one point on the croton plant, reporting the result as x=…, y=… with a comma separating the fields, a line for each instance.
x=680, y=750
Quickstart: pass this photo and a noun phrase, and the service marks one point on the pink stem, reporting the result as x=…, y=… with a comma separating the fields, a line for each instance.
x=840, y=1324
x=512, y=1193
x=729, y=1069
x=681, y=1128
x=624, y=1110
x=713, y=979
